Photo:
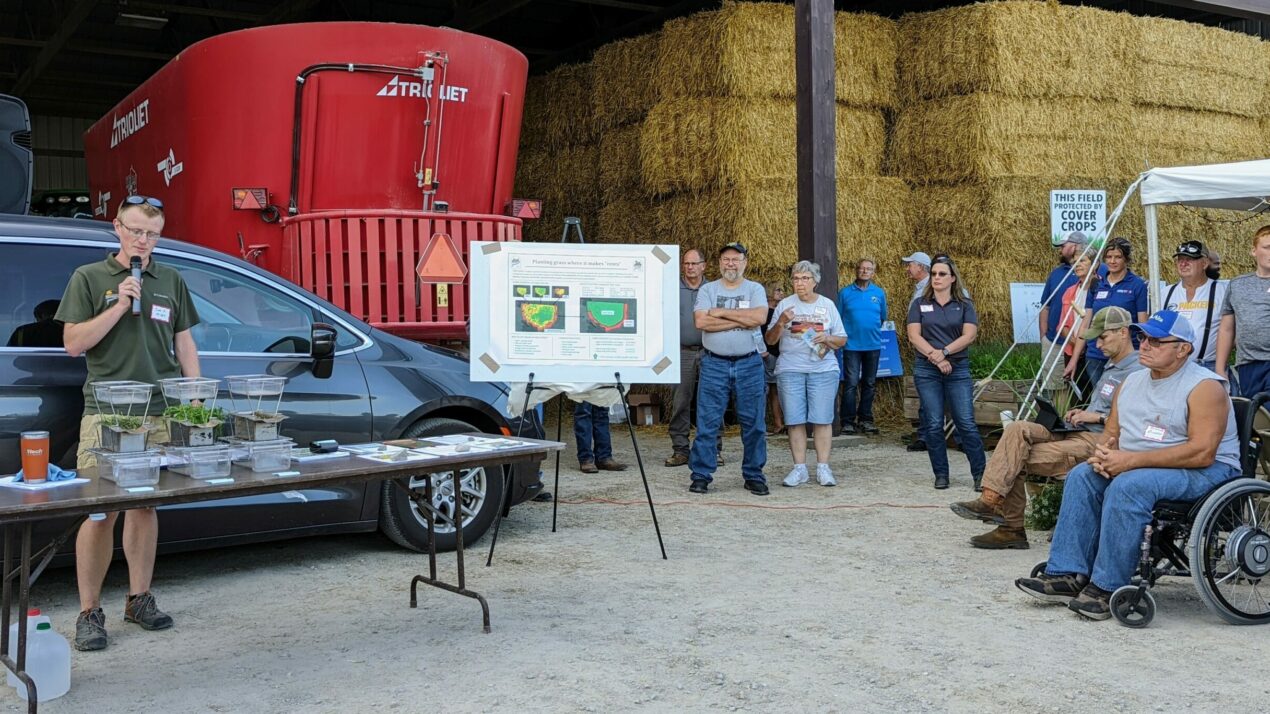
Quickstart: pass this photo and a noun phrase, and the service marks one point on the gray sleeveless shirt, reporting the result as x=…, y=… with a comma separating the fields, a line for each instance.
x=1153, y=412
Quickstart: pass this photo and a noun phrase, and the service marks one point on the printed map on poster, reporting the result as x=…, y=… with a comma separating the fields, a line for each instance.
x=574, y=312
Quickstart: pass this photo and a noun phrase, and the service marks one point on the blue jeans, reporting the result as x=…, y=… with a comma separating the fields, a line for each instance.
x=956, y=391
x=1101, y=521
x=1254, y=378
x=717, y=380
x=591, y=429
x=860, y=372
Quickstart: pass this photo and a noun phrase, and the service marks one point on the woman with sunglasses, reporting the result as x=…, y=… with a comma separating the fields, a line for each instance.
x=942, y=324
x=1119, y=287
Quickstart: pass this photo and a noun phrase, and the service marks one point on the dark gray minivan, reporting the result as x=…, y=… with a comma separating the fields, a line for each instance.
x=253, y=322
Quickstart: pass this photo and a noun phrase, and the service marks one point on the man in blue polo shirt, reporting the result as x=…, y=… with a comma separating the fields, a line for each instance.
x=862, y=305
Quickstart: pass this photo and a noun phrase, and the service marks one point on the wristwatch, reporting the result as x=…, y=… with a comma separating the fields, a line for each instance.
x=945, y=351
x=1102, y=418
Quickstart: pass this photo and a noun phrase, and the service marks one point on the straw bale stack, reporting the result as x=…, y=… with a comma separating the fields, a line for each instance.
x=567, y=181
x=624, y=86
x=628, y=220
x=1190, y=66
x=707, y=143
x=979, y=136
x=873, y=219
x=1178, y=137
x=558, y=108
x=619, y=164
x=1018, y=49
x=999, y=215
x=747, y=50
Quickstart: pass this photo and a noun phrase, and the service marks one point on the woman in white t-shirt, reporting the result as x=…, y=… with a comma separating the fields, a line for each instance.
x=808, y=328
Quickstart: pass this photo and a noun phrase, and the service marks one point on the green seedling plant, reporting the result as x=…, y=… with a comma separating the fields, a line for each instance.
x=122, y=423
x=1042, y=511
x=191, y=415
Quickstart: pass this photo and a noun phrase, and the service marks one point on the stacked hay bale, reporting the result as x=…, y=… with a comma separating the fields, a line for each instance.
x=559, y=151
x=717, y=152
x=1004, y=101
x=624, y=92
x=1200, y=98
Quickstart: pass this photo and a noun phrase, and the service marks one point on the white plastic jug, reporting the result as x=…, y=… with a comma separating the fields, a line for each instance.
x=48, y=661
x=33, y=618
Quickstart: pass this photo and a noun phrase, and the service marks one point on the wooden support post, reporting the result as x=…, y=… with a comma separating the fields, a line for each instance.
x=817, y=214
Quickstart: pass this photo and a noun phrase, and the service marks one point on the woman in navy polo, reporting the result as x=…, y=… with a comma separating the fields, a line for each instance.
x=941, y=325
x=1119, y=287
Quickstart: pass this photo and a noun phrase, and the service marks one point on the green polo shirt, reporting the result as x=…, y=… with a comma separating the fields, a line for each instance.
x=139, y=348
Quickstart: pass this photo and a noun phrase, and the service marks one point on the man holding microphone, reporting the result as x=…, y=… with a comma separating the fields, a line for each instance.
x=131, y=318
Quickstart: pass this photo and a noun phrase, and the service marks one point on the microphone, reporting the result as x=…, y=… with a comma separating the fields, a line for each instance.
x=135, y=263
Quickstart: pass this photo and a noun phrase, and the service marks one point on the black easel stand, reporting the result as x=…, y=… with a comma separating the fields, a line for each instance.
x=507, y=474
x=555, y=500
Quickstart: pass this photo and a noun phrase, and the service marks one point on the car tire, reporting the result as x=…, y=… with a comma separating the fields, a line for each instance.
x=403, y=523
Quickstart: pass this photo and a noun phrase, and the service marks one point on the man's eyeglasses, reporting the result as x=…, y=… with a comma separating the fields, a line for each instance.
x=694, y=262
x=138, y=233
x=136, y=200
x=1155, y=342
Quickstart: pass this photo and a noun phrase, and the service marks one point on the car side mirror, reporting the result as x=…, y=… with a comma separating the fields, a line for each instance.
x=323, y=349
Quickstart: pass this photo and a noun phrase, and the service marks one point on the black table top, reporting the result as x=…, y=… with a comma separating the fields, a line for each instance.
x=101, y=495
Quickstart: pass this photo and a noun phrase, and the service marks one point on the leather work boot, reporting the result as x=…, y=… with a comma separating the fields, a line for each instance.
x=677, y=459
x=610, y=465
x=1002, y=538
x=977, y=510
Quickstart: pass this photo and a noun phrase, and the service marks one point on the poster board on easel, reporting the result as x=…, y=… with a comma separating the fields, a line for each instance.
x=574, y=313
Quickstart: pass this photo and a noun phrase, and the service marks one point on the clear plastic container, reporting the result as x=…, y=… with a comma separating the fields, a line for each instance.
x=199, y=462
x=187, y=388
x=274, y=455
x=122, y=392
x=33, y=618
x=129, y=470
x=255, y=385
x=48, y=661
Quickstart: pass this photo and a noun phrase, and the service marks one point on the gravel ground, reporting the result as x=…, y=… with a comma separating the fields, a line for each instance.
x=864, y=597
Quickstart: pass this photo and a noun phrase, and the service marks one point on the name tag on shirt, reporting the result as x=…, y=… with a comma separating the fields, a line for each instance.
x=926, y=308
x=1154, y=432
x=1100, y=295
x=160, y=313
x=1108, y=389
x=743, y=304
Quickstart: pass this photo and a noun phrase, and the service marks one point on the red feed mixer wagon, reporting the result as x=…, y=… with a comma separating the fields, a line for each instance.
x=346, y=157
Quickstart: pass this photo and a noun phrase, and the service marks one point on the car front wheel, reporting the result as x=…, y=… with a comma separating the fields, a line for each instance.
x=473, y=506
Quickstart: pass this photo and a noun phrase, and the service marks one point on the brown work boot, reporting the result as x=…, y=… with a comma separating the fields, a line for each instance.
x=677, y=460
x=1001, y=538
x=977, y=510
x=610, y=465
x=588, y=467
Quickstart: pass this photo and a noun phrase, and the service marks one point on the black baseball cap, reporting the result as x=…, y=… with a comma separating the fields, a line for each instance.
x=734, y=245
x=1190, y=249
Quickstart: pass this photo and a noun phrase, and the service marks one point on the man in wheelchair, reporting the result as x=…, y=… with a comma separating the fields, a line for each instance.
x=1171, y=436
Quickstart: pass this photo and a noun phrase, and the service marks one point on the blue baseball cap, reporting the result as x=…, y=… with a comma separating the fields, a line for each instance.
x=1167, y=323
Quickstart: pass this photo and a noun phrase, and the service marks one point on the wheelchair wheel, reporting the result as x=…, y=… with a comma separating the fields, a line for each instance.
x=1039, y=569
x=1230, y=552
x=1129, y=613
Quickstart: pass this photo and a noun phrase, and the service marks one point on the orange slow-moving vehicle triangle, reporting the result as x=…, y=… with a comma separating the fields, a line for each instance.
x=441, y=262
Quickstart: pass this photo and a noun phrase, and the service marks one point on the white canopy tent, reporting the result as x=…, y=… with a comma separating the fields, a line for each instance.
x=1242, y=186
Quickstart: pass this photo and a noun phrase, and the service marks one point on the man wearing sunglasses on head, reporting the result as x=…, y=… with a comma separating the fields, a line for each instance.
x=121, y=342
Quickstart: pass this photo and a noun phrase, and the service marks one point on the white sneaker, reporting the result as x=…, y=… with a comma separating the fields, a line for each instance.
x=824, y=475
x=797, y=475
